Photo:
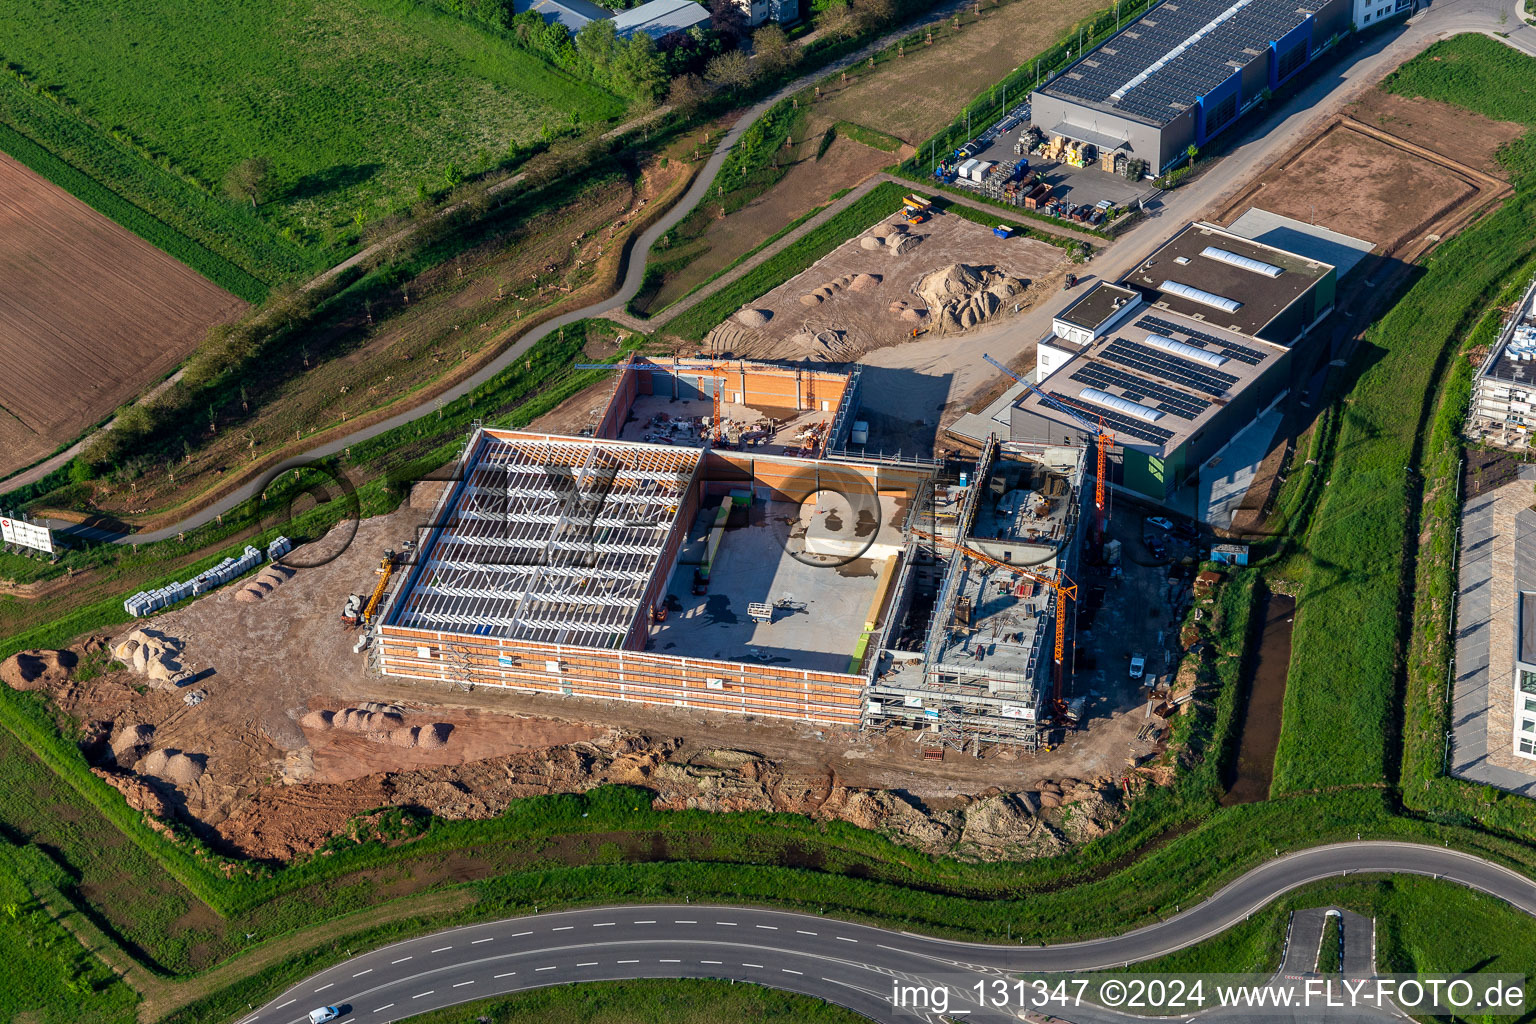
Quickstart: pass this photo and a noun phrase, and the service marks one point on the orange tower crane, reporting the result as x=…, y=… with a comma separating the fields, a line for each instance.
x=1105, y=440
x=1065, y=589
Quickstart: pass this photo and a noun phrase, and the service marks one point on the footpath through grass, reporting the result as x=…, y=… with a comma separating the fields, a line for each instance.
x=1341, y=720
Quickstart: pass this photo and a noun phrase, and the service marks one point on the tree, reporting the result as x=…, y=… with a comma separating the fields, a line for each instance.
x=872, y=14
x=597, y=42
x=248, y=180
x=838, y=20
x=728, y=19
x=1192, y=152
x=640, y=68
x=730, y=70
x=773, y=49
x=687, y=92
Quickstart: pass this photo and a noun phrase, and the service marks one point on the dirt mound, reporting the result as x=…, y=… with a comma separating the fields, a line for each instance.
x=141, y=796
x=872, y=242
x=130, y=743
x=810, y=299
x=754, y=317
x=155, y=655
x=37, y=670
x=902, y=244
x=960, y=296
x=355, y=719
x=434, y=736
x=864, y=282
x=179, y=769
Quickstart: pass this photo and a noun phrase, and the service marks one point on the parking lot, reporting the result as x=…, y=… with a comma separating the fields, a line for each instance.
x=1077, y=186
x=1135, y=612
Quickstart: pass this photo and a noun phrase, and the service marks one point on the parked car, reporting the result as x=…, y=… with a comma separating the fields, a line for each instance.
x=1160, y=522
x=1138, y=666
x=1186, y=532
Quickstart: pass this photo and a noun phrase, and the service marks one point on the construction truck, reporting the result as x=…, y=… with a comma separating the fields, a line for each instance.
x=917, y=208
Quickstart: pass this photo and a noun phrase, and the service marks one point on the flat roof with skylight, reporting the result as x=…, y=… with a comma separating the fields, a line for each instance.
x=1098, y=306
x=1228, y=281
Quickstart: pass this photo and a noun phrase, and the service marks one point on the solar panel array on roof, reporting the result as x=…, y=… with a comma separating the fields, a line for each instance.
x=1122, y=424
x=1178, y=371
x=1137, y=388
x=1195, y=70
x=1242, y=353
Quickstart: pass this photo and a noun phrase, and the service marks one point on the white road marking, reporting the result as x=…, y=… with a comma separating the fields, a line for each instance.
x=507, y=975
x=521, y=934
x=359, y=974
x=400, y=961
x=626, y=961
x=786, y=970
x=603, y=924
x=685, y=922
x=461, y=984
x=478, y=941
x=731, y=924
x=759, y=966
x=590, y=964
x=543, y=968
x=288, y=1003
x=420, y=995
x=563, y=928
x=769, y=927
x=322, y=988
x=844, y=938
x=802, y=931
x=645, y=922
x=442, y=949
x=384, y=1007
x=709, y=961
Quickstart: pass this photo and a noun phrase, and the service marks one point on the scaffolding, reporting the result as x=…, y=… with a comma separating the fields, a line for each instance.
x=549, y=539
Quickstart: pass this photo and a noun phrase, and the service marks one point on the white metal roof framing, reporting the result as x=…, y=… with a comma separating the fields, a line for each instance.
x=551, y=541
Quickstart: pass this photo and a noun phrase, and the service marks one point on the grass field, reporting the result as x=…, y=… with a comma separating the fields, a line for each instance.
x=356, y=104
x=648, y=1002
x=1346, y=658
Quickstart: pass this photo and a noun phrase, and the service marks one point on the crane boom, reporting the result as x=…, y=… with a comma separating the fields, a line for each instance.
x=1103, y=438
x=1065, y=589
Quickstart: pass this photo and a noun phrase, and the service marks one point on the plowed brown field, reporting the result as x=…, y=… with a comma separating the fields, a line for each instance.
x=89, y=315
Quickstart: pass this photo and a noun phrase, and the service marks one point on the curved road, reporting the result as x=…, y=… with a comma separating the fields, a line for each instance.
x=1499, y=18
x=850, y=964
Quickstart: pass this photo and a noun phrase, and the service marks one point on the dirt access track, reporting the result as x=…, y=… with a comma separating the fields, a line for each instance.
x=272, y=761
x=862, y=295
x=1356, y=178
x=90, y=315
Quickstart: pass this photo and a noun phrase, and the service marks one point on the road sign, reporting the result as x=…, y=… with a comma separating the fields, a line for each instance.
x=17, y=531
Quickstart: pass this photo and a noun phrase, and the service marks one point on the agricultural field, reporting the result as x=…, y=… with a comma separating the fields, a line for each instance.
x=396, y=333
x=90, y=315
x=1353, y=557
x=355, y=105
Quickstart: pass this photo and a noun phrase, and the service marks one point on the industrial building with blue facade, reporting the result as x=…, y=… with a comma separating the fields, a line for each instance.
x=1183, y=72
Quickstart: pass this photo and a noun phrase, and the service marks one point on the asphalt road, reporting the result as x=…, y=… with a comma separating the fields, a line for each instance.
x=1261, y=143
x=856, y=966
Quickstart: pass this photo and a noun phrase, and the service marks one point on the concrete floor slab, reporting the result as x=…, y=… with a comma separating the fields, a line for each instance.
x=827, y=598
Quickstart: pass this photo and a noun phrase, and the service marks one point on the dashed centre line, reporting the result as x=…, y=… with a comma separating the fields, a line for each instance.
x=423, y=995
x=322, y=988
x=478, y=941
x=500, y=976
x=359, y=974
x=461, y=984
x=384, y=1007
x=400, y=961
x=563, y=928
x=543, y=968
x=442, y=949
x=769, y=927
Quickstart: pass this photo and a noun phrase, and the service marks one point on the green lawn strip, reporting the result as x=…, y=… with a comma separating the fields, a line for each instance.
x=865, y=136
x=694, y=323
x=1346, y=651
x=1345, y=648
x=1422, y=925
x=50, y=978
x=355, y=103
x=1330, y=953
x=217, y=238
x=114, y=207
x=1003, y=218
x=648, y=1002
